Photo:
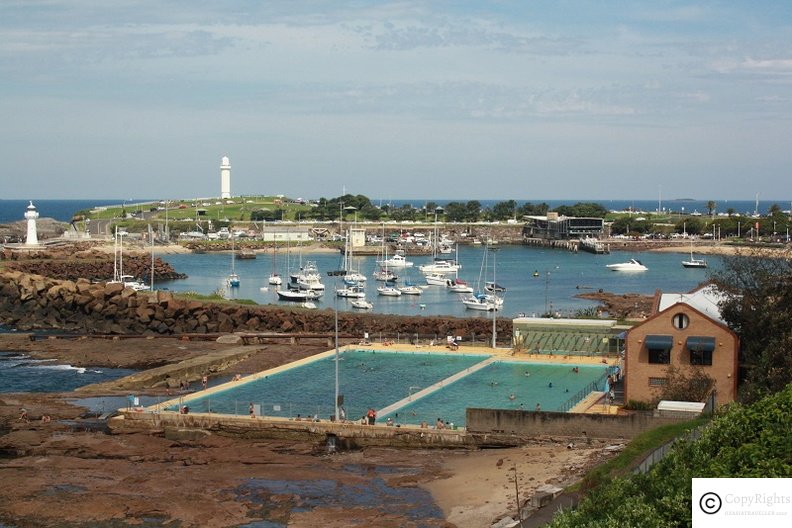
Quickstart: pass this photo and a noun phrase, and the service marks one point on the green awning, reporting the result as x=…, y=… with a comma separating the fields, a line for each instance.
x=659, y=342
x=700, y=344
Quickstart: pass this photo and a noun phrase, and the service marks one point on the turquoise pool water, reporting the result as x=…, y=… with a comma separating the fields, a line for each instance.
x=368, y=378
x=371, y=378
x=492, y=386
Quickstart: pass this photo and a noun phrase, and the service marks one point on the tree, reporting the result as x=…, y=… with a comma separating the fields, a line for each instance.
x=583, y=209
x=691, y=226
x=473, y=211
x=529, y=209
x=711, y=207
x=504, y=210
x=758, y=307
x=456, y=212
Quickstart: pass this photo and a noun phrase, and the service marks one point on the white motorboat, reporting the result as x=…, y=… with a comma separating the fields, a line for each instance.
x=437, y=279
x=389, y=291
x=492, y=287
x=482, y=302
x=396, y=261
x=460, y=286
x=131, y=282
x=351, y=292
x=298, y=295
x=631, y=265
x=307, y=278
x=362, y=304
x=440, y=266
x=352, y=277
x=385, y=275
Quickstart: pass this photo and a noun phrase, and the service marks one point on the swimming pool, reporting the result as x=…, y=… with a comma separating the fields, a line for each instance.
x=378, y=379
x=549, y=385
x=368, y=378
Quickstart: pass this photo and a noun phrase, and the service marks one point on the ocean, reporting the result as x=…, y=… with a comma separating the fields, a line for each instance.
x=63, y=210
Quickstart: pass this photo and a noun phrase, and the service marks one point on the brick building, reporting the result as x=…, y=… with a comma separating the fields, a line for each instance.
x=683, y=337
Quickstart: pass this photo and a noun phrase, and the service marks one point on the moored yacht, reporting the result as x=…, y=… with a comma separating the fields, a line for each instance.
x=631, y=265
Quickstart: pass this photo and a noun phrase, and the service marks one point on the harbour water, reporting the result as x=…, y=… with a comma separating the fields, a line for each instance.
x=561, y=276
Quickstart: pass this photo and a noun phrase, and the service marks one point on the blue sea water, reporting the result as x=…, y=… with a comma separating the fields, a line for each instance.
x=21, y=373
x=60, y=210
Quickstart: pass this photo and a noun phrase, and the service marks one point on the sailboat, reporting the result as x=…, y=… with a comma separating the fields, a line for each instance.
x=274, y=278
x=481, y=301
x=694, y=262
x=128, y=281
x=233, y=278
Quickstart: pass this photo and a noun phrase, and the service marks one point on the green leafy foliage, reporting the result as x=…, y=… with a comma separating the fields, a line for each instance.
x=758, y=307
x=741, y=442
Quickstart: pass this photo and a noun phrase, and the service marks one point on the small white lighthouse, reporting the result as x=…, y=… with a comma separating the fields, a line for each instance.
x=225, y=177
x=30, y=215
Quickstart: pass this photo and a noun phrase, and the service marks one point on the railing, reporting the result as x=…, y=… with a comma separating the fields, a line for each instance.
x=585, y=391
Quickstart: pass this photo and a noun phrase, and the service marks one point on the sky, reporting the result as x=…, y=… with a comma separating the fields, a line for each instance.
x=522, y=99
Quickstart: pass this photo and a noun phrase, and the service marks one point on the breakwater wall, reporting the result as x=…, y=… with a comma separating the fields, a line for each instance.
x=29, y=302
x=76, y=263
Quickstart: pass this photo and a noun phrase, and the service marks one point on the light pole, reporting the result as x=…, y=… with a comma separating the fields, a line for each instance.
x=336, y=274
x=494, y=296
x=547, y=285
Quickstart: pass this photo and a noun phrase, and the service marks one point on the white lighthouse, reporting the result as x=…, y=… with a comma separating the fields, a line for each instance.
x=30, y=215
x=225, y=177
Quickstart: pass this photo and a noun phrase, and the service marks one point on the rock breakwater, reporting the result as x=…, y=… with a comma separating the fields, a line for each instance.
x=89, y=264
x=29, y=301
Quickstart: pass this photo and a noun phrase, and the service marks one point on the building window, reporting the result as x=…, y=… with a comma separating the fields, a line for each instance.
x=701, y=349
x=681, y=321
x=661, y=356
x=701, y=357
x=658, y=382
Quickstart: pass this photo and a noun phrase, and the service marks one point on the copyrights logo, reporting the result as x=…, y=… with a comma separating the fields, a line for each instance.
x=710, y=503
x=731, y=502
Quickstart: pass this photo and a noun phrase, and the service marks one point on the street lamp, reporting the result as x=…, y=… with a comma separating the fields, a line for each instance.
x=336, y=274
x=494, y=296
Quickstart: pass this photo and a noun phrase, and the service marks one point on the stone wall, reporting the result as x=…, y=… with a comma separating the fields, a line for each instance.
x=533, y=424
x=36, y=302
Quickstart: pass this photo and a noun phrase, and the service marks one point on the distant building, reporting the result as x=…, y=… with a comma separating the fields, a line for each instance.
x=554, y=227
x=684, y=337
x=270, y=233
x=225, y=177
